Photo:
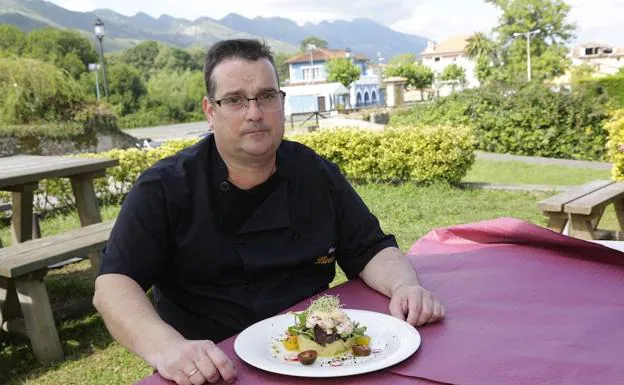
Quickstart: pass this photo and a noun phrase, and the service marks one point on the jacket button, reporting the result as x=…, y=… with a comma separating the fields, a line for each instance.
x=250, y=287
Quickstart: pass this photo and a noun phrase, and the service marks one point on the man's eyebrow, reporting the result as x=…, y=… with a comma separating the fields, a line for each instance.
x=229, y=94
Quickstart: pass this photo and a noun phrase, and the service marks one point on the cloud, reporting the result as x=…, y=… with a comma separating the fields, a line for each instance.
x=437, y=19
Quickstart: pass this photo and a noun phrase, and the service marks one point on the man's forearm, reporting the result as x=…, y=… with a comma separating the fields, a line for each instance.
x=388, y=270
x=131, y=318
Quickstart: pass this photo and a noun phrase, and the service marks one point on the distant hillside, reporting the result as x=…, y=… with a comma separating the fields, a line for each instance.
x=363, y=36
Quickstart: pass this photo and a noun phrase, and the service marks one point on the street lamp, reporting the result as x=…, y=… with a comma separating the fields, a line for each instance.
x=528, y=35
x=98, y=30
x=94, y=67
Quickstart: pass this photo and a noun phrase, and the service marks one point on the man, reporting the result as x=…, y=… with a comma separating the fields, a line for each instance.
x=237, y=228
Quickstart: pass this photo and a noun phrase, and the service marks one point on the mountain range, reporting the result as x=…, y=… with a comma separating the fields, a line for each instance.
x=363, y=36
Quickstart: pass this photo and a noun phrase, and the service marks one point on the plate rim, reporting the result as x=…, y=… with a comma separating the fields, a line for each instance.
x=413, y=346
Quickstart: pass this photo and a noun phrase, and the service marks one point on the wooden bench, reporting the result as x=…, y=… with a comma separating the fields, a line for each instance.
x=582, y=208
x=24, y=304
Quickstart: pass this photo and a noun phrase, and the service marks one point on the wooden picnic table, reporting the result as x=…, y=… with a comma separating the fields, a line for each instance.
x=21, y=175
x=24, y=303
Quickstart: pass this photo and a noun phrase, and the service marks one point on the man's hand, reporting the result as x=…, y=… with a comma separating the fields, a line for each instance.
x=415, y=305
x=195, y=363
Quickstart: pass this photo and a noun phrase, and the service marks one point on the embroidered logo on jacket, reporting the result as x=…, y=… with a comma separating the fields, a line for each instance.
x=326, y=259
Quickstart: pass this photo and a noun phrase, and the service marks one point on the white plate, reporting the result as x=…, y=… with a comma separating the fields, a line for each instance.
x=259, y=345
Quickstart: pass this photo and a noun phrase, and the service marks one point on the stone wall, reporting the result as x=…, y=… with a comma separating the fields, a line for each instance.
x=35, y=145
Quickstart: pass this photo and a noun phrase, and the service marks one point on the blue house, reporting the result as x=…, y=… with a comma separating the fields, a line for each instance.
x=308, y=69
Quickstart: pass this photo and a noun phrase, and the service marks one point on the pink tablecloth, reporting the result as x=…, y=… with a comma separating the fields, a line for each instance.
x=524, y=306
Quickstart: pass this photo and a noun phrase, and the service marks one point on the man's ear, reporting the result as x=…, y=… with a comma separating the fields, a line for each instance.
x=208, y=110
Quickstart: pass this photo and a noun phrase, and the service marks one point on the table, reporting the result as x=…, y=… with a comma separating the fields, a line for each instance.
x=21, y=175
x=580, y=209
x=525, y=305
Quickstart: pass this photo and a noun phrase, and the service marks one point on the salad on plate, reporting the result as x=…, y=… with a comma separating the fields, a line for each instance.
x=325, y=330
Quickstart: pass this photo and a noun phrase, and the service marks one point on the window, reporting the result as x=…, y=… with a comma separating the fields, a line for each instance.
x=608, y=51
x=436, y=59
x=589, y=51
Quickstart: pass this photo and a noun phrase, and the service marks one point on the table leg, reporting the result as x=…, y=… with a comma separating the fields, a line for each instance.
x=37, y=311
x=21, y=221
x=9, y=304
x=619, y=214
x=581, y=227
x=88, y=210
x=556, y=221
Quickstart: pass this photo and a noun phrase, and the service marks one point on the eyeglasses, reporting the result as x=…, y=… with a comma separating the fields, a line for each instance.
x=267, y=101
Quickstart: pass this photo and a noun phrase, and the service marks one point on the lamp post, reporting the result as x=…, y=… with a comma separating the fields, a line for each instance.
x=98, y=30
x=94, y=67
x=528, y=39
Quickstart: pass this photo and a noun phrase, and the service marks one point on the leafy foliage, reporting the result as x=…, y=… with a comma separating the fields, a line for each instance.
x=531, y=120
x=548, y=47
x=343, y=71
x=421, y=154
x=12, y=40
x=67, y=49
x=418, y=75
x=317, y=42
x=608, y=87
x=454, y=72
x=615, y=145
x=31, y=91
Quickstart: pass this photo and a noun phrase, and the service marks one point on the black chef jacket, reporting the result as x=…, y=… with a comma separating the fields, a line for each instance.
x=220, y=258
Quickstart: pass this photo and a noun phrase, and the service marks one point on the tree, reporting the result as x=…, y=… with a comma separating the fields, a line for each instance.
x=313, y=40
x=343, y=71
x=479, y=45
x=403, y=59
x=33, y=90
x=12, y=40
x=485, y=52
x=453, y=72
x=142, y=56
x=126, y=87
x=68, y=50
x=282, y=67
x=418, y=75
x=548, y=47
x=175, y=59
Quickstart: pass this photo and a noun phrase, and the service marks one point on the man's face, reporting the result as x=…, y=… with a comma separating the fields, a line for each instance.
x=252, y=133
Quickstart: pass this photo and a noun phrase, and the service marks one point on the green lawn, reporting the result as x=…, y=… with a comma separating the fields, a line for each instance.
x=512, y=172
x=407, y=211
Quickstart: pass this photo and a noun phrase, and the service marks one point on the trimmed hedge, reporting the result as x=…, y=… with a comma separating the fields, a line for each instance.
x=416, y=154
x=407, y=154
x=609, y=87
x=532, y=120
x=615, y=144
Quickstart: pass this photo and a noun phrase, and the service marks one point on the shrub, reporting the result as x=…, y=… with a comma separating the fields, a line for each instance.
x=32, y=91
x=115, y=185
x=615, y=145
x=532, y=120
x=610, y=87
x=416, y=154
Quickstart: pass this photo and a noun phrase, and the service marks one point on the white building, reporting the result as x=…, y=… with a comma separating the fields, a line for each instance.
x=606, y=59
x=438, y=56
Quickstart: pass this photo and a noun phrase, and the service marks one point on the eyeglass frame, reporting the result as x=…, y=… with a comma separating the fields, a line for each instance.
x=218, y=102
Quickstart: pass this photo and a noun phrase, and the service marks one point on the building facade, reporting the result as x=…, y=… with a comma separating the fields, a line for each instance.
x=307, y=72
x=606, y=59
x=438, y=56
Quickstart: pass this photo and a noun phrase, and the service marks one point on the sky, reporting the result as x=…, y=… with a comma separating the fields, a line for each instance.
x=597, y=20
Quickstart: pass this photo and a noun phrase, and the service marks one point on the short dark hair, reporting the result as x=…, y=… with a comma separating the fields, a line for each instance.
x=248, y=49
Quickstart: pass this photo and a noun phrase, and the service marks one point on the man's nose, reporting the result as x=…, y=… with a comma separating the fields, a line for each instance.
x=253, y=111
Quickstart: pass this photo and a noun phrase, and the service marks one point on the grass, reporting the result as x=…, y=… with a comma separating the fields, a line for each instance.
x=407, y=211
x=513, y=172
